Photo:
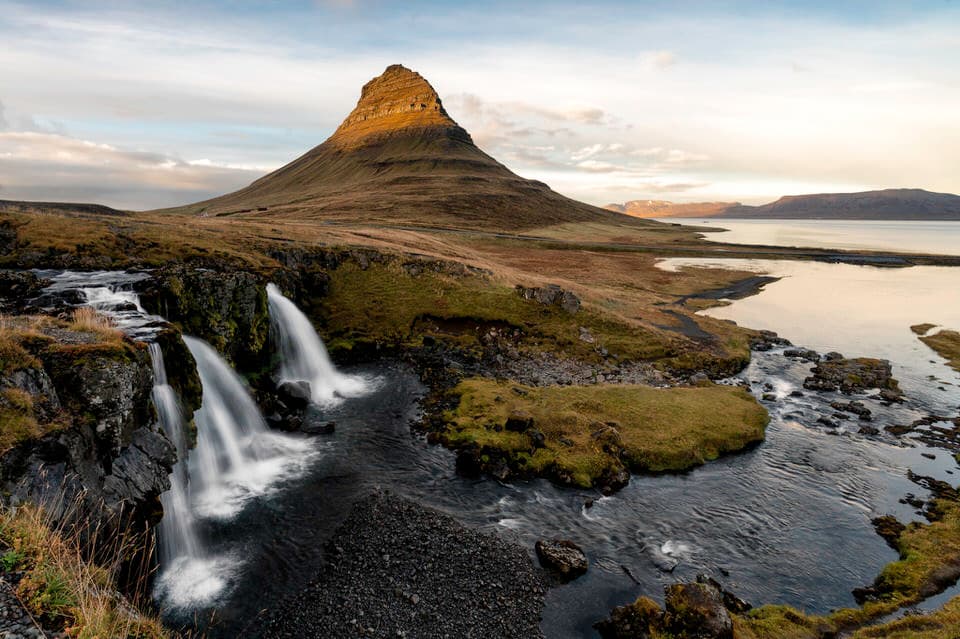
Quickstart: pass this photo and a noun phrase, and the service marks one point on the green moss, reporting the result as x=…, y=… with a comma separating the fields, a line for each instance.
x=591, y=431
x=780, y=622
x=947, y=345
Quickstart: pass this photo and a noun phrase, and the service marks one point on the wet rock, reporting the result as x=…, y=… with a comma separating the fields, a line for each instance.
x=805, y=354
x=854, y=407
x=731, y=602
x=769, y=397
x=640, y=620
x=697, y=611
x=852, y=376
x=699, y=378
x=562, y=557
x=767, y=340
x=318, y=427
x=869, y=430
x=295, y=394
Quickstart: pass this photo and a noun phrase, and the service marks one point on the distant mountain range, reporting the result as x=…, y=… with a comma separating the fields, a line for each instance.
x=887, y=204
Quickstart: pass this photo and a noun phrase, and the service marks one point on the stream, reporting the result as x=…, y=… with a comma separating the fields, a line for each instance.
x=785, y=522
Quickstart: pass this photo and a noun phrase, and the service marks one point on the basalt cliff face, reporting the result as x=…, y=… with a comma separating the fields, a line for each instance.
x=399, y=158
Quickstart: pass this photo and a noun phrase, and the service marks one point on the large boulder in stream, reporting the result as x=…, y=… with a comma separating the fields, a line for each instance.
x=295, y=394
x=562, y=557
x=837, y=373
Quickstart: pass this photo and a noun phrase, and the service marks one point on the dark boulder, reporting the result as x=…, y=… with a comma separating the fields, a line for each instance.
x=641, y=619
x=562, y=557
x=295, y=394
x=519, y=421
x=697, y=611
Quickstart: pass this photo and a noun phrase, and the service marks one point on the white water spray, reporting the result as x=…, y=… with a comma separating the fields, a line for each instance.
x=303, y=357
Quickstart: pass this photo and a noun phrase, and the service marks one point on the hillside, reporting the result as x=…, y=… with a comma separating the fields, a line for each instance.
x=888, y=204
x=662, y=208
x=400, y=158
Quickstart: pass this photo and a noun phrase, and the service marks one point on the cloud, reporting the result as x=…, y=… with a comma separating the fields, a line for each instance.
x=50, y=166
x=3, y=119
x=658, y=60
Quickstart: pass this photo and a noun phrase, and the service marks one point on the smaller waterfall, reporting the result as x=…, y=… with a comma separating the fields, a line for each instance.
x=303, y=356
x=178, y=535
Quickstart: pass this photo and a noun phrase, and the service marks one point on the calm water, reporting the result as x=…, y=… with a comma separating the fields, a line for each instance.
x=941, y=238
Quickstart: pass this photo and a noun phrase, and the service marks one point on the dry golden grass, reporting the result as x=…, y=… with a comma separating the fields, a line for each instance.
x=62, y=585
x=92, y=321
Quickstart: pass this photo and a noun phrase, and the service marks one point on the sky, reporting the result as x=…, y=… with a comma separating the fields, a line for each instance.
x=150, y=104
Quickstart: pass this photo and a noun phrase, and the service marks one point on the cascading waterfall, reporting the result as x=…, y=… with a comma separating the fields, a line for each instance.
x=303, y=357
x=236, y=457
x=178, y=536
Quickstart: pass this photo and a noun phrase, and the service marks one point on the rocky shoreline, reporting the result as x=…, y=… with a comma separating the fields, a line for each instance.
x=398, y=569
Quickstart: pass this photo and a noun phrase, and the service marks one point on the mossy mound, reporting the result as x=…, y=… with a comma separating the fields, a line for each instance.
x=590, y=435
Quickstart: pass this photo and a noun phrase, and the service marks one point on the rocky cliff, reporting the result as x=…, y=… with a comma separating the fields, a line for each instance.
x=79, y=433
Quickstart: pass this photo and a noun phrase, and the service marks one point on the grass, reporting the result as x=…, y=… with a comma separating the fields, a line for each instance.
x=929, y=562
x=947, y=345
x=25, y=343
x=91, y=321
x=593, y=430
x=60, y=586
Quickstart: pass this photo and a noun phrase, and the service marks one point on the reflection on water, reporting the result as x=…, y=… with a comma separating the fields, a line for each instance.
x=941, y=238
x=856, y=310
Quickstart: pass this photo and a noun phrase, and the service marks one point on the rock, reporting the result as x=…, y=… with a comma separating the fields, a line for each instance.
x=640, y=620
x=316, y=427
x=852, y=376
x=697, y=611
x=731, y=602
x=551, y=295
x=805, y=354
x=769, y=397
x=869, y=430
x=295, y=394
x=586, y=335
x=857, y=408
x=537, y=439
x=562, y=557
x=519, y=421
x=699, y=378
x=442, y=579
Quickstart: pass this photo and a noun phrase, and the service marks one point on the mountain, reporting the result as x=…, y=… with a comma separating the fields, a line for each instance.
x=662, y=208
x=399, y=158
x=888, y=204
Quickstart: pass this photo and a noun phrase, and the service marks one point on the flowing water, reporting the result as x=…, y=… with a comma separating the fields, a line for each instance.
x=303, y=357
x=786, y=522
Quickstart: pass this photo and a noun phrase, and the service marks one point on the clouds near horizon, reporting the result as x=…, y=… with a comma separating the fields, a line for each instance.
x=157, y=104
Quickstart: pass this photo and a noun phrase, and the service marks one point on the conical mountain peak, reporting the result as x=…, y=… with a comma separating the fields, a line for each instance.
x=400, y=158
x=397, y=99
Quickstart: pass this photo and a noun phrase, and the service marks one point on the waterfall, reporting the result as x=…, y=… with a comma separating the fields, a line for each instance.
x=178, y=535
x=303, y=357
x=236, y=457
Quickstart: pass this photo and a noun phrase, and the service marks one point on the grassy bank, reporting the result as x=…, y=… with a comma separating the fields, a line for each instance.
x=945, y=342
x=61, y=588
x=592, y=431
x=929, y=562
